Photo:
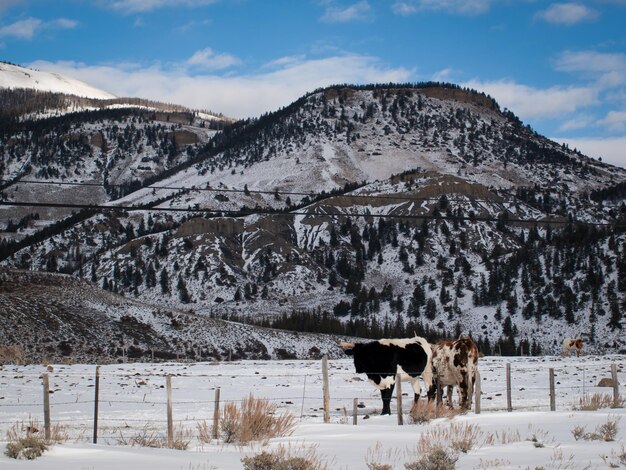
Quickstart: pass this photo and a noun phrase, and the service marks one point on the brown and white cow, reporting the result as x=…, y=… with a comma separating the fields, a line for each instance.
x=454, y=364
x=572, y=344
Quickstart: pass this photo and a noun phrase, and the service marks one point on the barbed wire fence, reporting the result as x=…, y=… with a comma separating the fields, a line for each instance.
x=115, y=406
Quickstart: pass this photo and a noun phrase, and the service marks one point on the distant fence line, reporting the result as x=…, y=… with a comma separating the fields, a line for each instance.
x=324, y=399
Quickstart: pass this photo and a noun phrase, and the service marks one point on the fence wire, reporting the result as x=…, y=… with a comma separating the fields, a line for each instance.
x=131, y=399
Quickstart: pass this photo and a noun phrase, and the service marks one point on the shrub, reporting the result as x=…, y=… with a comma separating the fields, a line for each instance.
x=437, y=458
x=425, y=411
x=604, y=432
x=598, y=400
x=205, y=433
x=255, y=420
x=379, y=459
x=29, y=448
x=281, y=459
x=150, y=438
x=24, y=440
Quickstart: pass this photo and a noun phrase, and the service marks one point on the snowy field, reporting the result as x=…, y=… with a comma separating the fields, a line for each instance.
x=133, y=403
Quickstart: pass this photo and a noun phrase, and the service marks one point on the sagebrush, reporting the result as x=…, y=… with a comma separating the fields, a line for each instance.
x=254, y=420
x=285, y=459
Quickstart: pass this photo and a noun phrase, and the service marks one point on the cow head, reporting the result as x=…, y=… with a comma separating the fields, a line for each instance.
x=348, y=348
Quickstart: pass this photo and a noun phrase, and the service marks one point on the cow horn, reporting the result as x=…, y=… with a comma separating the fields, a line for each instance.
x=345, y=345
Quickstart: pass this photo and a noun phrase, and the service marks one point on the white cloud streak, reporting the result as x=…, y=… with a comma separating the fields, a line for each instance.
x=142, y=6
x=236, y=96
x=567, y=14
x=611, y=149
x=534, y=103
x=22, y=29
x=615, y=121
x=207, y=59
x=28, y=28
x=360, y=11
x=458, y=7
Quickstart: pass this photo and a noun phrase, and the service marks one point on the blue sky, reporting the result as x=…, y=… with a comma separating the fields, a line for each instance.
x=560, y=66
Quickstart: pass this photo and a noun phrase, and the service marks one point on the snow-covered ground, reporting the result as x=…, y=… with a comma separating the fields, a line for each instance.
x=133, y=402
x=14, y=76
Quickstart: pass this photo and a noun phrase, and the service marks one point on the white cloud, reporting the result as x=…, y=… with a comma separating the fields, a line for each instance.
x=28, y=28
x=614, y=121
x=207, y=59
x=605, y=71
x=611, y=150
x=193, y=25
x=576, y=123
x=403, y=8
x=460, y=7
x=360, y=11
x=444, y=75
x=6, y=4
x=22, y=29
x=137, y=6
x=591, y=61
x=529, y=102
x=236, y=96
x=567, y=14
x=64, y=23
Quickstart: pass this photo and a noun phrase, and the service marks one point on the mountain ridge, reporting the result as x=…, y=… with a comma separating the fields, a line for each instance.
x=427, y=228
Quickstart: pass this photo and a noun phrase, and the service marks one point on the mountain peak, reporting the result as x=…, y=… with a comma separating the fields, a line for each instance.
x=14, y=76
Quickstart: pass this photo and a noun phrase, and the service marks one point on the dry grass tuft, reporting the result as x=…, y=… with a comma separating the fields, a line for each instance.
x=436, y=458
x=205, y=432
x=26, y=448
x=254, y=420
x=25, y=441
x=285, y=459
x=379, y=459
x=148, y=437
x=460, y=438
x=604, y=432
x=425, y=411
x=597, y=401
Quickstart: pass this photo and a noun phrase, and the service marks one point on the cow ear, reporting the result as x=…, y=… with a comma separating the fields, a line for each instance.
x=348, y=348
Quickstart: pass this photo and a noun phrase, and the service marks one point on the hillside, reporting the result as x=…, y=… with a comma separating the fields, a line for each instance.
x=13, y=76
x=381, y=205
x=57, y=317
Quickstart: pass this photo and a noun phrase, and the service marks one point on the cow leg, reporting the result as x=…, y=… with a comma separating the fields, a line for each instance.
x=449, y=393
x=432, y=391
x=386, y=394
x=464, y=388
x=439, y=393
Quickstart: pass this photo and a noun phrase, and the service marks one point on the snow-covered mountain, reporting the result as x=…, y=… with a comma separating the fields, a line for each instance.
x=392, y=208
x=54, y=316
x=13, y=76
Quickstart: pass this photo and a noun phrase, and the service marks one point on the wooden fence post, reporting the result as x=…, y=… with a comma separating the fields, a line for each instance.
x=399, y=400
x=170, y=423
x=477, y=392
x=46, y=406
x=552, y=392
x=509, y=404
x=216, y=414
x=355, y=404
x=615, y=386
x=95, y=406
x=326, y=390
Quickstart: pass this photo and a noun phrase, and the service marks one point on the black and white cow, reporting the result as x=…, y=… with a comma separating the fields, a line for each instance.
x=381, y=360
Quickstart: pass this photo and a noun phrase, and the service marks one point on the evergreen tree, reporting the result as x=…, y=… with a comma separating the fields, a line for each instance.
x=164, y=280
